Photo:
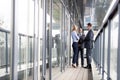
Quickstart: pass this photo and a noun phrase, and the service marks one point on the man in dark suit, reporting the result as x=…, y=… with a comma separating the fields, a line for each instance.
x=89, y=44
x=81, y=47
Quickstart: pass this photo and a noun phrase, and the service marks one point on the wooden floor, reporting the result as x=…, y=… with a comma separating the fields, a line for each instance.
x=71, y=73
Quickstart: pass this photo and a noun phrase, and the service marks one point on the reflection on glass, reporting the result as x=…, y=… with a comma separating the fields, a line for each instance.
x=56, y=38
x=100, y=6
x=5, y=28
x=25, y=27
x=114, y=47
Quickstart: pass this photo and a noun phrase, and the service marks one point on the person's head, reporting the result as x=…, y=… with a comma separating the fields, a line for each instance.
x=74, y=28
x=80, y=30
x=89, y=26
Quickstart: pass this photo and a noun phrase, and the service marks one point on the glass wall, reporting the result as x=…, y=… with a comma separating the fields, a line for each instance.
x=5, y=39
x=25, y=25
x=22, y=63
x=56, y=40
x=114, y=47
x=56, y=37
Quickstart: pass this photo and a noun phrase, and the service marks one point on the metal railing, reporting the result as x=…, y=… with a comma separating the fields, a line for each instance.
x=102, y=50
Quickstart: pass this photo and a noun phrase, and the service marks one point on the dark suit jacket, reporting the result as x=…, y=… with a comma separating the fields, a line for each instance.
x=89, y=40
x=81, y=41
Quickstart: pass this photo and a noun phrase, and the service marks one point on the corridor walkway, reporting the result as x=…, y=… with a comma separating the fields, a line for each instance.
x=78, y=73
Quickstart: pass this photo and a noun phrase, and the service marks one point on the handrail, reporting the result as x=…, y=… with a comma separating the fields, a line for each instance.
x=3, y=30
x=20, y=34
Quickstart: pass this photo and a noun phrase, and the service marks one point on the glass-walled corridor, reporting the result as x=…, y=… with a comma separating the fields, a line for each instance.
x=34, y=39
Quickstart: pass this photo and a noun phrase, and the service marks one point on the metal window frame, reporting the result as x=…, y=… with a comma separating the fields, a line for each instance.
x=35, y=40
x=103, y=54
x=118, y=51
x=14, y=41
x=109, y=47
x=6, y=39
x=50, y=42
x=39, y=7
x=63, y=34
x=100, y=54
x=44, y=41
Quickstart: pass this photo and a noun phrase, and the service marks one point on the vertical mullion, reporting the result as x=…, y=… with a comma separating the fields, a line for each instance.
x=118, y=50
x=20, y=52
x=34, y=44
x=70, y=42
x=64, y=39
x=50, y=42
x=100, y=54
x=35, y=39
x=62, y=32
x=14, y=54
x=44, y=42
x=103, y=53
x=69, y=46
x=39, y=7
x=6, y=39
x=61, y=57
x=109, y=46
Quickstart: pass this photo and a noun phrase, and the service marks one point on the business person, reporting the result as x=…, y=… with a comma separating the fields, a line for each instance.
x=81, y=47
x=89, y=44
x=75, y=39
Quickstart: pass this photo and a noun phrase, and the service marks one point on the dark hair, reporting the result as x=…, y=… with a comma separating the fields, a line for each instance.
x=89, y=24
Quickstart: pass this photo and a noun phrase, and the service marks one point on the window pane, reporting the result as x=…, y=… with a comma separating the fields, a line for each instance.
x=106, y=50
x=56, y=37
x=5, y=39
x=25, y=26
x=98, y=7
x=114, y=47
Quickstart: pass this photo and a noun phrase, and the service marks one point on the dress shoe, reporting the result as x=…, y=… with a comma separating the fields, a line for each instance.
x=73, y=65
x=77, y=65
x=86, y=67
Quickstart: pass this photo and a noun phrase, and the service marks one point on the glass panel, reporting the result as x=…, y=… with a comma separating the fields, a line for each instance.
x=5, y=39
x=25, y=26
x=95, y=10
x=114, y=47
x=22, y=58
x=67, y=37
x=106, y=50
x=56, y=37
x=30, y=59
